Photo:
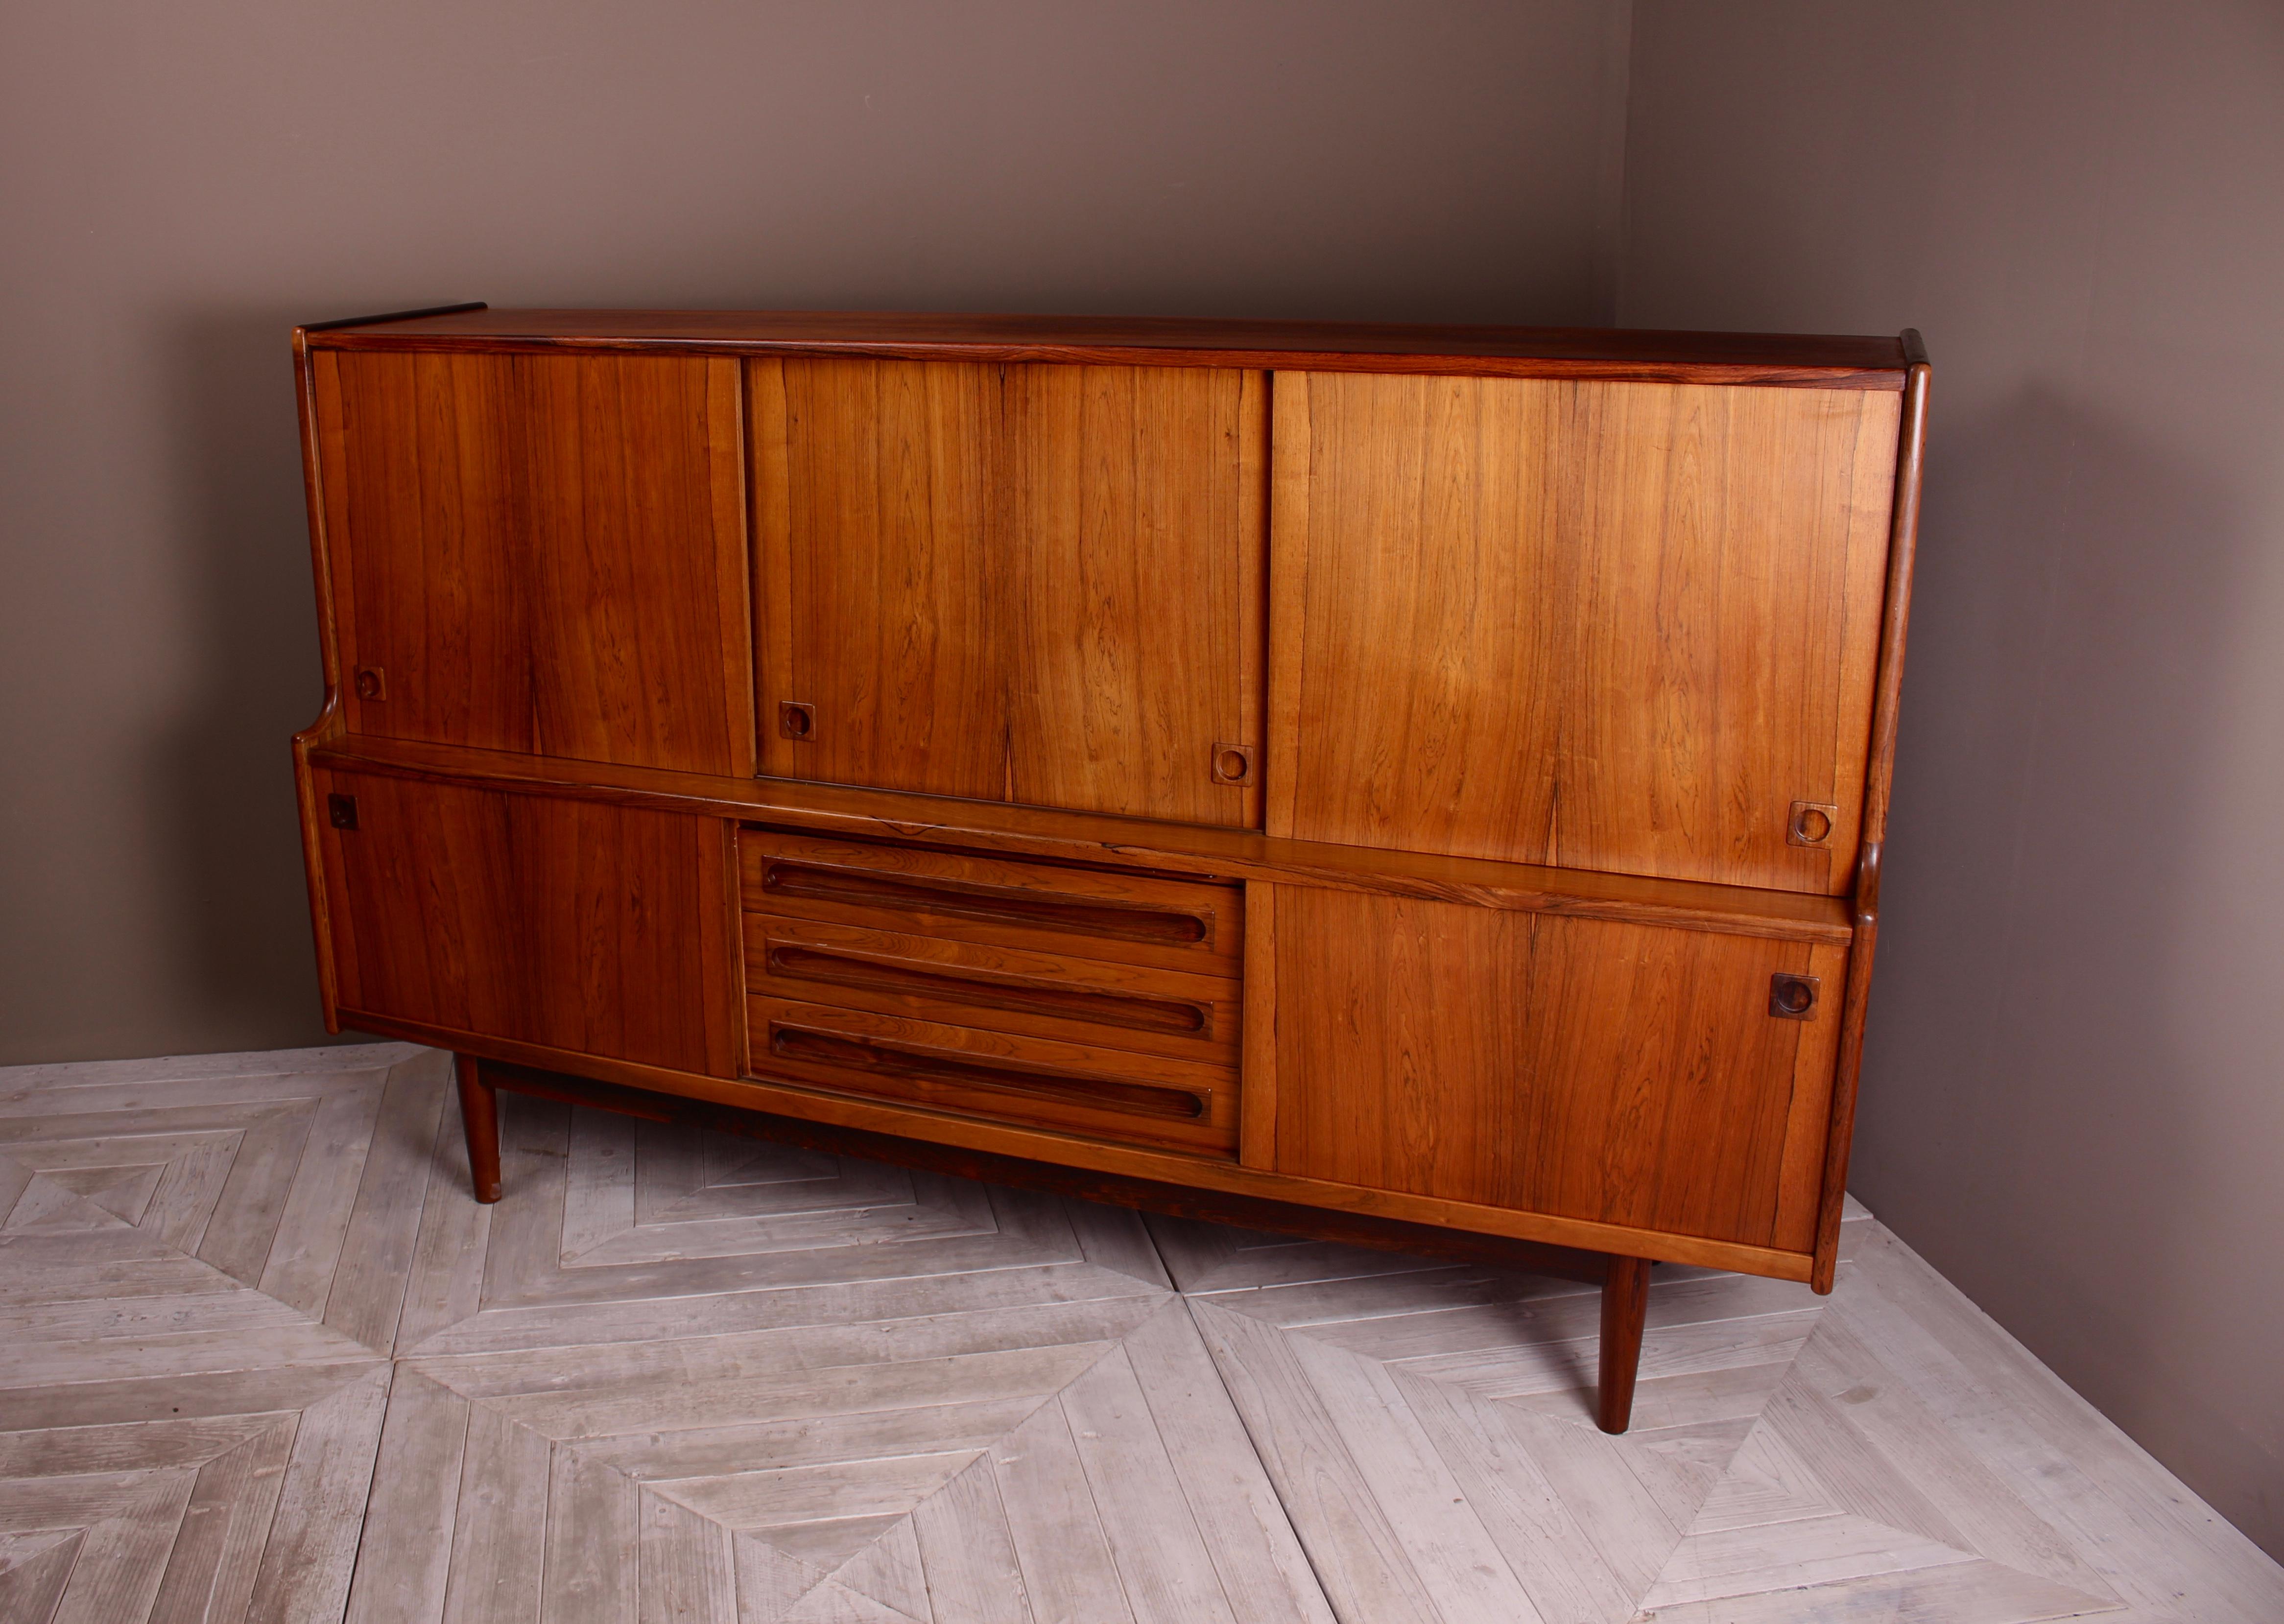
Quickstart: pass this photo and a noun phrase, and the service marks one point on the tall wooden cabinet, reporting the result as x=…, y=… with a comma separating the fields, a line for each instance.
x=1421, y=785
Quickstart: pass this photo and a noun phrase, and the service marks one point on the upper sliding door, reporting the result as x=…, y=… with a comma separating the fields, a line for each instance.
x=1032, y=584
x=1628, y=627
x=540, y=553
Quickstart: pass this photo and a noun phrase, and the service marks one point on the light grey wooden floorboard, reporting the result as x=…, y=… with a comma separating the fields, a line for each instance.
x=211, y=1571
x=310, y=1231
x=499, y=1523
x=1550, y=1554
x=686, y=1571
x=737, y=1354
x=889, y=1574
x=1069, y=1574
x=2152, y=1541
x=812, y=1303
x=1961, y=1593
x=122, y=1558
x=1711, y=1567
x=1163, y=1561
x=366, y=1292
x=967, y=1554
x=178, y=1069
x=33, y=1588
x=304, y=1577
x=445, y=1284
x=243, y=1225
x=769, y=1582
x=1263, y=1571
x=772, y=1495
x=590, y=1564
x=584, y=1411
x=1356, y=1555
x=811, y=1440
x=1113, y=1238
x=217, y=1392
x=405, y=1558
x=1457, y=1563
x=1918, y=1450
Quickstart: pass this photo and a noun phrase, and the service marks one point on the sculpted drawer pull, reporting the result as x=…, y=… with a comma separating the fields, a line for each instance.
x=893, y=1060
x=1143, y=1013
x=1006, y=907
x=1793, y=997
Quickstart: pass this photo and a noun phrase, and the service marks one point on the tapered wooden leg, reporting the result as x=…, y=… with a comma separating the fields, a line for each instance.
x=1626, y=1304
x=480, y=1115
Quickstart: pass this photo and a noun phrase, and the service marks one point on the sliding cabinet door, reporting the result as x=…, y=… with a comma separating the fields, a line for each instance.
x=540, y=553
x=1039, y=583
x=1620, y=626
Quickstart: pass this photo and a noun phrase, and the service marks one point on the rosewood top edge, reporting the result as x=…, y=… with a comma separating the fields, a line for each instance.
x=1810, y=360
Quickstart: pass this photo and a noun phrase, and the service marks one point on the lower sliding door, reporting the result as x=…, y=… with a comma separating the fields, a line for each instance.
x=570, y=924
x=1661, y=1079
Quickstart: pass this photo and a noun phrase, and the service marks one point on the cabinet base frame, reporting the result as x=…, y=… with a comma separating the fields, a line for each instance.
x=1623, y=1281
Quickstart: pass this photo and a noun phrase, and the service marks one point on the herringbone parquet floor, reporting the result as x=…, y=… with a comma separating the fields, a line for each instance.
x=262, y=1356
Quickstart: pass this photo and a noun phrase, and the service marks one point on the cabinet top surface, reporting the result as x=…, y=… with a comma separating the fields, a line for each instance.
x=1802, y=360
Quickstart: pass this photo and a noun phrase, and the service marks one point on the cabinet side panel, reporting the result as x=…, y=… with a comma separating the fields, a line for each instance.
x=1133, y=557
x=1601, y=626
x=1622, y=1073
x=882, y=473
x=540, y=556
x=576, y=925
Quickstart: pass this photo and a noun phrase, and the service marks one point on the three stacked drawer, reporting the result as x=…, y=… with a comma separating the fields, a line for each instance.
x=1088, y=1000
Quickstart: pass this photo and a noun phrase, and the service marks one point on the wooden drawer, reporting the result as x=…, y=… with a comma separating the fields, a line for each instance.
x=1006, y=989
x=1106, y=1093
x=1192, y=926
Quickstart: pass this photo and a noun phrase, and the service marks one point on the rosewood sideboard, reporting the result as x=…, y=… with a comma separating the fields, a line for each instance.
x=1417, y=785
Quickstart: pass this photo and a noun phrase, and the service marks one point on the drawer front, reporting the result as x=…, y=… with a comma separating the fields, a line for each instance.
x=1192, y=926
x=1006, y=989
x=1041, y=1082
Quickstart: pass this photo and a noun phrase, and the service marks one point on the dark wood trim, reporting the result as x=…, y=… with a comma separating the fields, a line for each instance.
x=1625, y=1310
x=427, y=313
x=329, y=723
x=1116, y=1190
x=1910, y=458
x=1099, y=838
x=1819, y=361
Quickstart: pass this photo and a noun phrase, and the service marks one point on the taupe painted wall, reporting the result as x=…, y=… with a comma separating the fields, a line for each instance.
x=184, y=182
x=2074, y=1087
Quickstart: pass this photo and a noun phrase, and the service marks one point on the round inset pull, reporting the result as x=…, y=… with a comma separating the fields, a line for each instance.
x=1233, y=764
x=796, y=720
x=1811, y=824
x=1792, y=997
x=371, y=683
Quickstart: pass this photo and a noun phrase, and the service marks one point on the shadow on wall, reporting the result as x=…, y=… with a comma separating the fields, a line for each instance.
x=2077, y=605
x=237, y=905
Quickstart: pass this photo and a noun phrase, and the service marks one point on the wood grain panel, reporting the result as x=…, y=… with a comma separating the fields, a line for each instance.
x=1085, y=913
x=540, y=553
x=1111, y=1094
x=1009, y=989
x=1618, y=1073
x=873, y=485
x=572, y=924
x=1135, y=542
x=1603, y=626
